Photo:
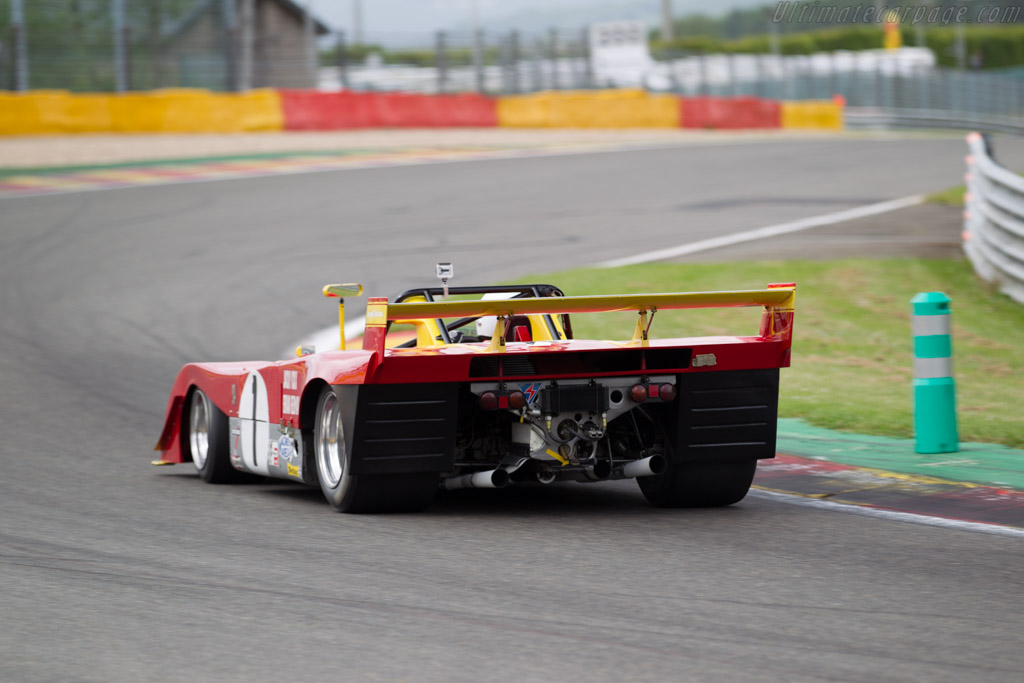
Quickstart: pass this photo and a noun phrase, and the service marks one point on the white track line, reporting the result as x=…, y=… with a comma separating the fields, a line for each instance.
x=327, y=338
x=911, y=517
x=768, y=231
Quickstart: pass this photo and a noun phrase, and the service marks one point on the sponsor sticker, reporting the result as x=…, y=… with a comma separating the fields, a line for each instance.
x=531, y=390
x=704, y=360
x=290, y=404
x=293, y=470
x=286, y=448
x=290, y=380
x=376, y=315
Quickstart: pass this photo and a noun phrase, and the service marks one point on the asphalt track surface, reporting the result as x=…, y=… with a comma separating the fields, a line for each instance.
x=115, y=571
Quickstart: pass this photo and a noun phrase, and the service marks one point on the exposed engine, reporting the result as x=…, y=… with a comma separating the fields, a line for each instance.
x=571, y=429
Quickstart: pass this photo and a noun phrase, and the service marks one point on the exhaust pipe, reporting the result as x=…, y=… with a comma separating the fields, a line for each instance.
x=492, y=479
x=651, y=465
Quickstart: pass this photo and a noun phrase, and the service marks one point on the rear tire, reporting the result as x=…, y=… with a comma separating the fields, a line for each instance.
x=699, y=484
x=360, y=494
x=205, y=439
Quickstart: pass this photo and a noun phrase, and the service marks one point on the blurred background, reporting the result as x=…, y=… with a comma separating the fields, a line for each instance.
x=179, y=178
x=928, y=56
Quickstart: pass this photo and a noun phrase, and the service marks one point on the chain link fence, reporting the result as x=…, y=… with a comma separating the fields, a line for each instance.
x=118, y=45
x=462, y=61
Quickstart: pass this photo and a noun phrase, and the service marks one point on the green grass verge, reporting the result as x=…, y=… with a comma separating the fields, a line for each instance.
x=954, y=196
x=852, y=351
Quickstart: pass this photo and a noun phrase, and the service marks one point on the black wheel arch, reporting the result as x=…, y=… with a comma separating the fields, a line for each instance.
x=183, y=425
x=307, y=418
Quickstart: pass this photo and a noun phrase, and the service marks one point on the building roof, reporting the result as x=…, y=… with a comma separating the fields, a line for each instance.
x=298, y=10
x=293, y=8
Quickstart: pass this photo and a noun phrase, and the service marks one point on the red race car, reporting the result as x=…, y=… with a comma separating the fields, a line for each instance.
x=490, y=389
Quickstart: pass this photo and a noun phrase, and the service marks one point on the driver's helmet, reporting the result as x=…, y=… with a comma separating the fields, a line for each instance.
x=485, y=325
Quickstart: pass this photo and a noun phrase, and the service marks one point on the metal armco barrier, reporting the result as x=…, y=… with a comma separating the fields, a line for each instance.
x=994, y=220
x=934, y=388
x=875, y=118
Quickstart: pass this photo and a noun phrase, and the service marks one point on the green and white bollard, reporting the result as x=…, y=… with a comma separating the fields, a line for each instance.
x=934, y=388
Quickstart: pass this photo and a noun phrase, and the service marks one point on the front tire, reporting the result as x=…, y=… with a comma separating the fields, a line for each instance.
x=206, y=440
x=363, y=493
x=699, y=484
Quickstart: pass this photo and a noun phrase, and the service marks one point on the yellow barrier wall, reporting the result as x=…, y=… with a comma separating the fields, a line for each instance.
x=589, y=109
x=526, y=111
x=137, y=113
x=256, y=110
x=821, y=114
x=87, y=114
x=162, y=111
x=200, y=111
x=42, y=111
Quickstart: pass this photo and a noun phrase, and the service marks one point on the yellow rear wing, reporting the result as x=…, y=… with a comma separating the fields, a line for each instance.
x=777, y=299
x=774, y=296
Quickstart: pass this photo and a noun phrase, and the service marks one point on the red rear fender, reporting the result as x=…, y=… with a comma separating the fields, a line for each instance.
x=216, y=381
x=222, y=382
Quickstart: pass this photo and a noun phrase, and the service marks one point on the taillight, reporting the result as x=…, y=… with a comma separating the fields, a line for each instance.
x=488, y=400
x=667, y=392
x=638, y=393
x=516, y=400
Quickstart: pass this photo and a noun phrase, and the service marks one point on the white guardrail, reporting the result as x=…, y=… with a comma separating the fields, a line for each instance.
x=994, y=219
x=880, y=118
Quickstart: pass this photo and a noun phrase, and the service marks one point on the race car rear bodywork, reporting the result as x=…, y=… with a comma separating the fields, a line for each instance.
x=381, y=428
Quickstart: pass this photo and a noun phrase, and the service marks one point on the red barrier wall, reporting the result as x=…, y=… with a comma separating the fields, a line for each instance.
x=730, y=112
x=407, y=110
x=311, y=110
x=473, y=110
